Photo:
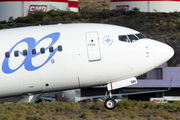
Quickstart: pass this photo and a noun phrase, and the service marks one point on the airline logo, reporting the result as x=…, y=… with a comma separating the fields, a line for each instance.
x=27, y=63
x=107, y=40
x=122, y=7
x=33, y=8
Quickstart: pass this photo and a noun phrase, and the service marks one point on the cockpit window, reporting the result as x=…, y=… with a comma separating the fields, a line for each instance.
x=132, y=38
x=140, y=36
x=124, y=38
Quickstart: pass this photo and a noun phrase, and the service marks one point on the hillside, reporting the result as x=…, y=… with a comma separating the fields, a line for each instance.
x=164, y=27
x=95, y=5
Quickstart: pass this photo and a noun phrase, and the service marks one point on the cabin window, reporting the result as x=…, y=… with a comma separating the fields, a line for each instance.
x=7, y=54
x=51, y=49
x=132, y=38
x=140, y=36
x=59, y=48
x=25, y=52
x=33, y=51
x=42, y=50
x=16, y=53
x=123, y=38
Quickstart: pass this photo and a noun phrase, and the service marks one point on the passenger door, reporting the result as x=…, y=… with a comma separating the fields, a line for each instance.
x=93, y=48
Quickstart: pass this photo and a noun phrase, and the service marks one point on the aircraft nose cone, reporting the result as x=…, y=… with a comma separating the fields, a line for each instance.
x=162, y=52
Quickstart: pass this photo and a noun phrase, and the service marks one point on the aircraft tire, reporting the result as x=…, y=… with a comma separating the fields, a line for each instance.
x=110, y=103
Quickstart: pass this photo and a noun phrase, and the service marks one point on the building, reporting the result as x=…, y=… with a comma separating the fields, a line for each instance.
x=14, y=8
x=146, y=5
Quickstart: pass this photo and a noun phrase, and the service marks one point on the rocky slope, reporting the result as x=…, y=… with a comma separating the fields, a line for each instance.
x=159, y=26
x=164, y=27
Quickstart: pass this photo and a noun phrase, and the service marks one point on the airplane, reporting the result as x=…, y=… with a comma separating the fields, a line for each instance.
x=41, y=59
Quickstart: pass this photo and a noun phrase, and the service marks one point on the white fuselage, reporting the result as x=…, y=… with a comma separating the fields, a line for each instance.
x=91, y=55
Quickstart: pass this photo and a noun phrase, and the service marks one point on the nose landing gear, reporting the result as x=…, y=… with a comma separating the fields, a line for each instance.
x=110, y=103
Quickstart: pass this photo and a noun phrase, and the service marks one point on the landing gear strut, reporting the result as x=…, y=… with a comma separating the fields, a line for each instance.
x=110, y=103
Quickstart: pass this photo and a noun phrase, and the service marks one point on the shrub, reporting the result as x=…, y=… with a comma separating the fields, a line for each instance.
x=72, y=116
x=59, y=18
x=20, y=20
x=110, y=114
x=21, y=114
x=30, y=19
x=10, y=19
x=97, y=105
x=160, y=113
x=105, y=10
x=127, y=104
x=149, y=105
x=178, y=27
x=3, y=26
x=2, y=109
x=134, y=11
x=162, y=106
x=85, y=16
x=72, y=107
x=66, y=18
x=55, y=13
x=156, y=118
x=86, y=115
x=145, y=112
x=61, y=107
x=3, y=22
x=105, y=14
x=88, y=105
x=77, y=16
x=7, y=117
x=37, y=116
x=45, y=21
x=38, y=14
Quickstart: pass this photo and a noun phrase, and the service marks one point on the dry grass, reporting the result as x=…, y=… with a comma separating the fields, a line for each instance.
x=125, y=110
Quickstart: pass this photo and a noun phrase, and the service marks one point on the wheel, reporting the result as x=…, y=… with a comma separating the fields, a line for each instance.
x=110, y=103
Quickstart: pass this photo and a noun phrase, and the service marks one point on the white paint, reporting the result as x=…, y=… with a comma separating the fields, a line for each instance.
x=74, y=9
x=17, y=9
x=121, y=83
x=72, y=68
x=93, y=48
